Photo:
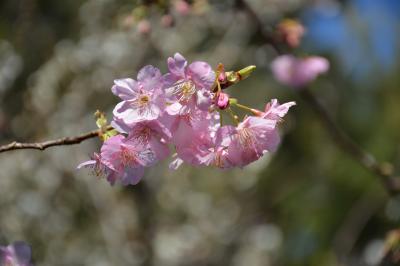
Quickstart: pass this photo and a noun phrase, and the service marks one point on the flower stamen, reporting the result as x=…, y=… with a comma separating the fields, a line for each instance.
x=245, y=137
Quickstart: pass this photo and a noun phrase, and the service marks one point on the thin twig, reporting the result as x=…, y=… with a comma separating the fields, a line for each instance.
x=50, y=143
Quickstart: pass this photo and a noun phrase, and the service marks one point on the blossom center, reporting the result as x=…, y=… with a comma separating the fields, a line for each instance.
x=184, y=90
x=143, y=134
x=144, y=99
x=188, y=89
x=141, y=102
x=127, y=157
x=218, y=160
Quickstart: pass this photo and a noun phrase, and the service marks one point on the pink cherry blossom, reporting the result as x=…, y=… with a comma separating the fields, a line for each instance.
x=193, y=136
x=126, y=159
x=142, y=99
x=185, y=127
x=188, y=86
x=298, y=72
x=207, y=149
x=17, y=254
x=181, y=111
x=275, y=111
x=152, y=134
x=254, y=137
x=216, y=154
x=98, y=168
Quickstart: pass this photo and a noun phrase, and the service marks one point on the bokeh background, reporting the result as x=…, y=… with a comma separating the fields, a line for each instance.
x=307, y=204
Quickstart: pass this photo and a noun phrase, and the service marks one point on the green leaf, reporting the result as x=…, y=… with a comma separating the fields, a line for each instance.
x=101, y=120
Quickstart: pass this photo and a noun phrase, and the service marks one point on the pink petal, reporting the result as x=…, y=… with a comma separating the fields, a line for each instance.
x=202, y=74
x=126, y=89
x=177, y=65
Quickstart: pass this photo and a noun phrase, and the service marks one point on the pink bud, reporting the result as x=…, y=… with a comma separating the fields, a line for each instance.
x=144, y=26
x=222, y=78
x=223, y=101
x=182, y=7
x=291, y=32
x=167, y=21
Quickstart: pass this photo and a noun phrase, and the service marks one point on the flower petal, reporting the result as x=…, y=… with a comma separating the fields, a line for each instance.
x=86, y=164
x=177, y=65
x=201, y=74
x=22, y=252
x=132, y=175
x=126, y=89
x=150, y=78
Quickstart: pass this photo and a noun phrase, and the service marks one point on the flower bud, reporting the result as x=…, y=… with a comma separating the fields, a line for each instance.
x=182, y=7
x=223, y=101
x=290, y=31
x=167, y=21
x=222, y=78
x=144, y=27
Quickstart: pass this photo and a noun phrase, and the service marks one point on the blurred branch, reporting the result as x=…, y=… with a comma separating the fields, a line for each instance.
x=383, y=170
x=50, y=143
x=354, y=222
x=266, y=35
x=66, y=140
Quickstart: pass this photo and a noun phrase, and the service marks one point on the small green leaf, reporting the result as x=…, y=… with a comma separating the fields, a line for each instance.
x=108, y=134
x=245, y=72
x=101, y=120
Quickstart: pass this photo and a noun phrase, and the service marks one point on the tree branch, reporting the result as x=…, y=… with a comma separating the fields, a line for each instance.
x=50, y=143
x=382, y=170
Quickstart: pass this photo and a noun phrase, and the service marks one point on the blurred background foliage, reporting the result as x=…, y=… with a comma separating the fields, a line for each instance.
x=307, y=204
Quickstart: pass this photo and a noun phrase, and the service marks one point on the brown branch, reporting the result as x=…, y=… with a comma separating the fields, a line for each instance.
x=383, y=170
x=50, y=143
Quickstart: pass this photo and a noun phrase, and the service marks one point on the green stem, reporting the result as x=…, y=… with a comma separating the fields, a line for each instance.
x=234, y=117
x=244, y=107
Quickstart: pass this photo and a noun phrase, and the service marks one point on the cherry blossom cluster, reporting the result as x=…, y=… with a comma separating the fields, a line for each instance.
x=181, y=111
x=18, y=254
